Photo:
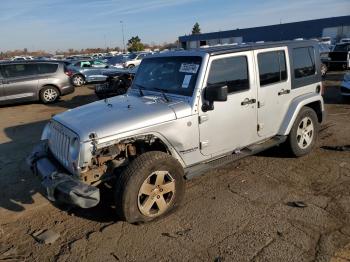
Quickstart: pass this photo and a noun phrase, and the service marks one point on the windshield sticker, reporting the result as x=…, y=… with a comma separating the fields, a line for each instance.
x=189, y=68
x=186, y=81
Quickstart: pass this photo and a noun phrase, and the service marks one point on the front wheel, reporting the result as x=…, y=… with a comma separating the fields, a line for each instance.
x=150, y=187
x=304, y=132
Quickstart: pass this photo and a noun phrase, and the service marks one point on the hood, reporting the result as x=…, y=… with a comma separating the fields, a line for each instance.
x=121, y=114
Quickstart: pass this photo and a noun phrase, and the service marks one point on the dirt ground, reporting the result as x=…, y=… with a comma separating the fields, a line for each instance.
x=236, y=213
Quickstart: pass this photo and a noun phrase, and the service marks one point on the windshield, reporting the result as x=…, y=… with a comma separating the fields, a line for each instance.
x=175, y=75
x=341, y=48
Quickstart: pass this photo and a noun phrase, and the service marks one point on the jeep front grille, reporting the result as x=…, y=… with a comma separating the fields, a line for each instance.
x=59, y=141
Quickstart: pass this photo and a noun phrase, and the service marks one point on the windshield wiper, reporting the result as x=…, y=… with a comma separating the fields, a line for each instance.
x=140, y=87
x=163, y=91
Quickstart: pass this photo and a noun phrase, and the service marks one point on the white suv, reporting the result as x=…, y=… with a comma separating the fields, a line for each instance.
x=185, y=113
x=134, y=60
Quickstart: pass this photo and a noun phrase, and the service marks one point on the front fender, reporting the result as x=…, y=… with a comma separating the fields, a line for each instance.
x=296, y=105
x=174, y=153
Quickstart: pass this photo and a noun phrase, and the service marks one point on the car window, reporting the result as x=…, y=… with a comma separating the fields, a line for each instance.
x=272, y=67
x=232, y=71
x=85, y=64
x=97, y=63
x=47, y=68
x=304, y=62
x=19, y=70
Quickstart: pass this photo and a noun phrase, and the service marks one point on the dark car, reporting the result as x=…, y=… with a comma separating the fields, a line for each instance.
x=33, y=80
x=339, y=57
x=116, y=84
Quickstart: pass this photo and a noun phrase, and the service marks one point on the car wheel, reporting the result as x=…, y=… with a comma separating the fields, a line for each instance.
x=151, y=187
x=131, y=66
x=304, y=132
x=49, y=94
x=78, y=80
x=324, y=70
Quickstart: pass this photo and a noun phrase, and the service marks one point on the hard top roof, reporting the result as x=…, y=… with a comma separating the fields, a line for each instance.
x=223, y=49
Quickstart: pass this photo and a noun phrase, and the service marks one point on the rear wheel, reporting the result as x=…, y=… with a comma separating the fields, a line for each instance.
x=131, y=66
x=49, y=94
x=304, y=132
x=78, y=80
x=151, y=187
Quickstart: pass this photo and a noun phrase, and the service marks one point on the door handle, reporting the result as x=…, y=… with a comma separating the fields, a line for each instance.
x=248, y=101
x=283, y=92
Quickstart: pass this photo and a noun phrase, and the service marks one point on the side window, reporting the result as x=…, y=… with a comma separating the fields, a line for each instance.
x=232, y=71
x=19, y=70
x=304, y=62
x=47, y=68
x=272, y=67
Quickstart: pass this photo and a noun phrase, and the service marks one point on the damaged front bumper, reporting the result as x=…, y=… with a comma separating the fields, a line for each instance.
x=60, y=187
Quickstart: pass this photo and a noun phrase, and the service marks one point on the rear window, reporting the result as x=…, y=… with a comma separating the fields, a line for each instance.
x=304, y=62
x=272, y=67
x=47, y=68
x=19, y=70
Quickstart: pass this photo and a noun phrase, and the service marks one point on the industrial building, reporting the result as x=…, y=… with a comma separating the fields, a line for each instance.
x=335, y=27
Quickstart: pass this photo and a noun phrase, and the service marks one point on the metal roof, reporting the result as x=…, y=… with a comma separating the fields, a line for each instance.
x=286, y=31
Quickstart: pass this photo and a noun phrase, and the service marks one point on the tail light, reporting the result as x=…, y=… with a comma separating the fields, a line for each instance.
x=69, y=73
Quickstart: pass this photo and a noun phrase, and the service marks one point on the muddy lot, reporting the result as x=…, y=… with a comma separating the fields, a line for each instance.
x=236, y=213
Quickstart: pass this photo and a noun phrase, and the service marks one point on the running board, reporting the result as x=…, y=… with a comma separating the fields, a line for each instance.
x=202, y=168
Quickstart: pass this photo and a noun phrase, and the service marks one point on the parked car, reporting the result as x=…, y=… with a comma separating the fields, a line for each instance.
x=186, y=113
x=87, y=75
x=134, y=60
x=115, y=83
x=33, y=80
x=345, y=86
x=324, y=55
x=117, y=61
x=340, y=56
x=89, y=63
x=345, y=40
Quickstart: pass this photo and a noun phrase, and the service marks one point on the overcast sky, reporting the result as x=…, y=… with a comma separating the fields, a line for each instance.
x=61, y=24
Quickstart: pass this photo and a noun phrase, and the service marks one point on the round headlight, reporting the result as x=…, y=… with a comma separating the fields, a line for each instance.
x=74, y=148
x=46, y=132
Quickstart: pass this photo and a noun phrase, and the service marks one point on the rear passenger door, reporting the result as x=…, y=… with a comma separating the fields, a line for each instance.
x=20, y=81
x=274, y=89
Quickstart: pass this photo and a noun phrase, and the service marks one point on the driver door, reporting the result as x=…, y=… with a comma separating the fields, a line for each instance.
x=232, y=124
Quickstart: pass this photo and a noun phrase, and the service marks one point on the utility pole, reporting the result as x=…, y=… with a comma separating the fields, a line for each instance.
x=122, y=23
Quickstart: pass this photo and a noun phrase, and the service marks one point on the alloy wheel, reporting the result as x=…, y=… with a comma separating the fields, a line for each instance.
x=305, y=132
x=156, y=194
x=78, y=81
x=50, y=95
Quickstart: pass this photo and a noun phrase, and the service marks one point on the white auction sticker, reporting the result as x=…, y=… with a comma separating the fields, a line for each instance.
x=189, y=68
x=186, y=81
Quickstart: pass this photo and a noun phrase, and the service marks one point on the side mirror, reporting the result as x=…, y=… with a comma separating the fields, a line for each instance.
x=214, y=93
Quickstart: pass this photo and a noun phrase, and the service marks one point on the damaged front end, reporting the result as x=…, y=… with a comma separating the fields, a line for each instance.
x=60, y=186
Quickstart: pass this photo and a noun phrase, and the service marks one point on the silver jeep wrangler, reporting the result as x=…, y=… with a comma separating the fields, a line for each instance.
x=186, y=112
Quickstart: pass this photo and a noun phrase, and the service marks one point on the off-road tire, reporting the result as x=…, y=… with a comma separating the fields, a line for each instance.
x=49, y=94
x=129, y=182
x=292, y=142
